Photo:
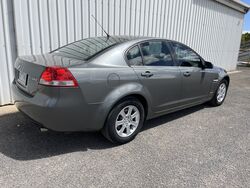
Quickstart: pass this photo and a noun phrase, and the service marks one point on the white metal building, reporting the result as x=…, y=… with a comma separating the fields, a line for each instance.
x=212, y=27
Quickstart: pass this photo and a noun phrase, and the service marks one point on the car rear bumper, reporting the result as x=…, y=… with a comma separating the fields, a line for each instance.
x=59, y=109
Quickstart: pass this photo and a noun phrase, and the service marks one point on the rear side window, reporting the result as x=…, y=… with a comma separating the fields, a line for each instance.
x=186, y=57
x=134, y=56
x=156, y=53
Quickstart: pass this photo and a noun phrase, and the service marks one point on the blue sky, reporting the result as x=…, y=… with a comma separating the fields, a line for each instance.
x=247, y=18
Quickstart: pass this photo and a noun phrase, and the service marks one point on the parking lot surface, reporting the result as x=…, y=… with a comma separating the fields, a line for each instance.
x=201, y=146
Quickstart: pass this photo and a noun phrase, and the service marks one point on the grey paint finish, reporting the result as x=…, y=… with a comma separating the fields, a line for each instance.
x=163, y=88
x=42, y=26
x=103, y=81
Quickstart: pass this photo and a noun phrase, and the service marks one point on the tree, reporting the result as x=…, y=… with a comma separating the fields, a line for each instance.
x=245, y=38
x=244, y=54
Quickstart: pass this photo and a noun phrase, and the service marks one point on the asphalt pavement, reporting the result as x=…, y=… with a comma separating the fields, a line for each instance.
x=201, y=146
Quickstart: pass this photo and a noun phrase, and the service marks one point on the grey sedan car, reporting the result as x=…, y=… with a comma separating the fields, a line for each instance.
x=113, y=84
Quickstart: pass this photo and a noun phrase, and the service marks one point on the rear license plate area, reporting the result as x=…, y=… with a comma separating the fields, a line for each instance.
x=22, y=78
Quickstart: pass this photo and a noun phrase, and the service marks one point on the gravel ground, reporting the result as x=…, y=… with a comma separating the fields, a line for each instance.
x=197, y=147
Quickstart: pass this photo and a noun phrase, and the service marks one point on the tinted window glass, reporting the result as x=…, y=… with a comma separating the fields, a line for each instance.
x=156, y=53
x=88, y=48
x=134, y=56
x=186, y=57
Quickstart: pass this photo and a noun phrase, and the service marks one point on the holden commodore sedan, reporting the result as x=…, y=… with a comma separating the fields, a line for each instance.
x=113, y=84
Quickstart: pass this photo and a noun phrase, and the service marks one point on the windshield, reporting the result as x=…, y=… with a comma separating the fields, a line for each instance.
x=88, y=48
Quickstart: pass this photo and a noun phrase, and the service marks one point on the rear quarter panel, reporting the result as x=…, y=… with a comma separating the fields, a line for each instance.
x=104, y=86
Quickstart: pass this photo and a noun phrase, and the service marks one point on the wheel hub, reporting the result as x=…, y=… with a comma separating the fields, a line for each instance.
x=127, y=121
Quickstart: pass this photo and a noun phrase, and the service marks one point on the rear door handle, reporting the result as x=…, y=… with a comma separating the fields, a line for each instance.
x=147, y=74
x=187, y=74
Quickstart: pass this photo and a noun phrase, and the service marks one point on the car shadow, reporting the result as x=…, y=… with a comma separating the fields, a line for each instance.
x=21, y=139
x=172, y=116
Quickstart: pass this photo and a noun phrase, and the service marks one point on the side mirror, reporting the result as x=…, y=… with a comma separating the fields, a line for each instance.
x=208, y=65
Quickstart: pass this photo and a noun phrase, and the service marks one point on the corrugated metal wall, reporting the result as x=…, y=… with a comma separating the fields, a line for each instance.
x=210, y=28
x=7, y=50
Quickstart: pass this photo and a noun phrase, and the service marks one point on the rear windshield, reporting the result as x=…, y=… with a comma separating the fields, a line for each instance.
x=88, y=48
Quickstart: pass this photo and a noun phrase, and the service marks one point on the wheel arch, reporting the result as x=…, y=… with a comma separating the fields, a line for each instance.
x=116, y=95
x=106, y=130
x=138, y=96
x=227, y=78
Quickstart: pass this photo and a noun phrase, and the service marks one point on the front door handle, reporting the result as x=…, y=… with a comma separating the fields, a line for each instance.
x=147, y=74
x=187, y=74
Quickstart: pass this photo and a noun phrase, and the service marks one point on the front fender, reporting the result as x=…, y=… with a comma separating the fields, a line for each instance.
x=221, y=75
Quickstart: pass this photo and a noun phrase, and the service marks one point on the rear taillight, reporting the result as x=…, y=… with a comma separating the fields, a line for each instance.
x=58, y=77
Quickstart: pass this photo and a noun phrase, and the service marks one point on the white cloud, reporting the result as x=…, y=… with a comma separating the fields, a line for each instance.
x=245, y=32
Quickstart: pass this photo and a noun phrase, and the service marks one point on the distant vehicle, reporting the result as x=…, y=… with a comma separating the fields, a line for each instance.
x=112, y=84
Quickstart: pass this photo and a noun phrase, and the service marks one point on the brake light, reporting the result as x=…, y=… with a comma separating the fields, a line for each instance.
x=58, y=77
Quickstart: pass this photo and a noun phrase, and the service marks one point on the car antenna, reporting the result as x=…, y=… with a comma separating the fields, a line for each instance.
x=101, y=26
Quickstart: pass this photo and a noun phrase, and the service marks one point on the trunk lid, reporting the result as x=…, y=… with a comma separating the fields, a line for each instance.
x=28, y=69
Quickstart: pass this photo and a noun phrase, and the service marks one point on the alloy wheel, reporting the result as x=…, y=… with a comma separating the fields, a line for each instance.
x=127, y=121
x=221, y=93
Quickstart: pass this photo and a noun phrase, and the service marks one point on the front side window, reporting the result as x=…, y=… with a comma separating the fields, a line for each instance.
x=156, y=53
x=134, y=56
x=186, y=57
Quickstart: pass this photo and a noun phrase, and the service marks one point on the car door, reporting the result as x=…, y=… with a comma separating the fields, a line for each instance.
x=153, y=63
x=196, y=79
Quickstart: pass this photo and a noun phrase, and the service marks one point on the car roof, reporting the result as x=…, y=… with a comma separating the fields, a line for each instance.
x=136, y=38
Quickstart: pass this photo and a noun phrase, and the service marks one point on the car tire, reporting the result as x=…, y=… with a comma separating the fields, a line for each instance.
x=123, y=122
x=221, y=90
